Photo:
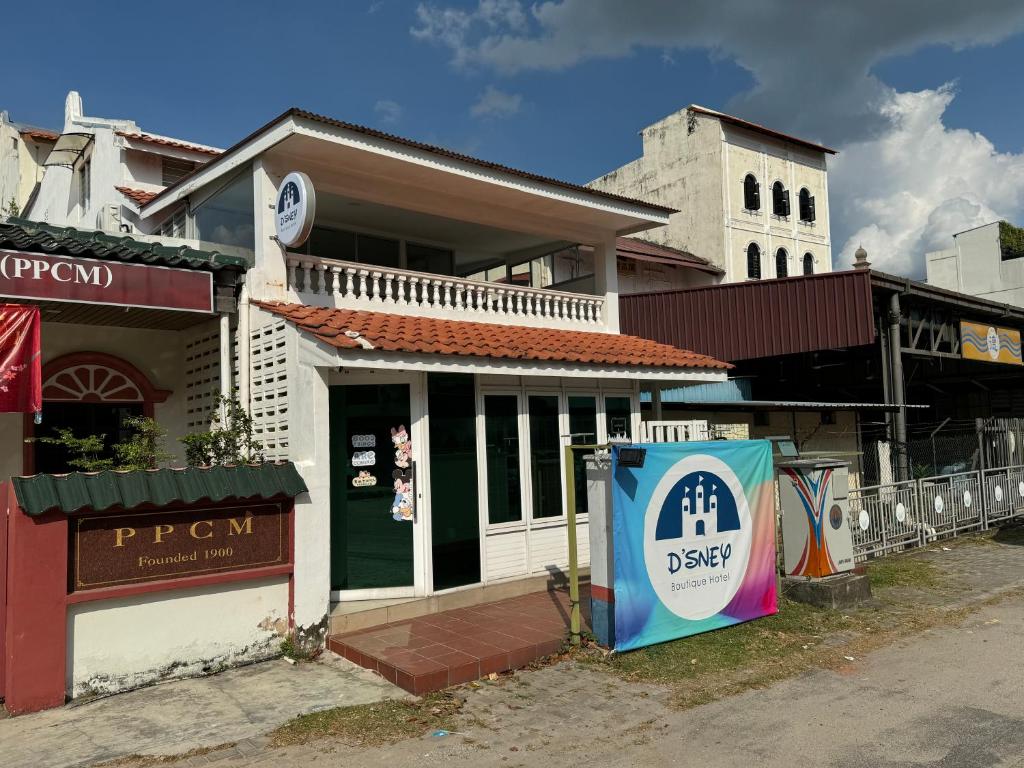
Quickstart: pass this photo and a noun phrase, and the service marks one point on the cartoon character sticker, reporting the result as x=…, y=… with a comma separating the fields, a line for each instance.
x=403, y=446
x=364, y=479
x=401, y=506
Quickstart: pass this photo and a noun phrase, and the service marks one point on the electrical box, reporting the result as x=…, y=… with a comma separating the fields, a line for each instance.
x=816, y=535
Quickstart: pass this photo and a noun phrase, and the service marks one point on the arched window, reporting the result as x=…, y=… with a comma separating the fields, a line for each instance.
x=753, y=262
x=808, y=264
x=751, y=193
x=806, y=205
x=781, y=263
x=780, y=199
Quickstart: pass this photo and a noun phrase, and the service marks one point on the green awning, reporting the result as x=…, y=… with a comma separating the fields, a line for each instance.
x=158, y=487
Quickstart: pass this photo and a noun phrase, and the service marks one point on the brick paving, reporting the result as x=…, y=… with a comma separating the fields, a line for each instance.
x=429, y=653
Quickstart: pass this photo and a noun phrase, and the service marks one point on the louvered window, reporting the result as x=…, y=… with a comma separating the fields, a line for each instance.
x=808, y=264
x=781, y=263
x=780, y=199
x=174, y=170
x=751, y=193
x=753, y=262
x=806, y=205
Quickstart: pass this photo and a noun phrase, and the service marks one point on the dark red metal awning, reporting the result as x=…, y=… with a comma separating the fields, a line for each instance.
x=740, y=321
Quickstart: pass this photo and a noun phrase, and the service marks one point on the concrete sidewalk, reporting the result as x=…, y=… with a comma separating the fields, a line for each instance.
x=169, y=719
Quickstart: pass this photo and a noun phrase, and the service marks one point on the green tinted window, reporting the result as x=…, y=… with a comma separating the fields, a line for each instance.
x=583, y=428
x=501, y=429
x=545, y=465
x=617, y=417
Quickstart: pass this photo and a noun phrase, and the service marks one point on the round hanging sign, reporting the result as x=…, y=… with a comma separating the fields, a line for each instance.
x=864, y=520
x=967, y=499
x=294, y=209
x=901, y=512
x=999, y=493
x=939, y=505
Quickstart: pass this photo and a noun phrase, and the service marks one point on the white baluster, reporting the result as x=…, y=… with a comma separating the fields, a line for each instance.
x=321, y=287
x=349, y=287
x=401, y=288
x=307, y=266
x=414, y=290
x=388, y=277
x=547, y=306
x=460, y=289
x=448, y=294
x=335, y=280
x=292, y=281
x=375, y=288
x=598, y=306
x=434, y=299
x=363, y=274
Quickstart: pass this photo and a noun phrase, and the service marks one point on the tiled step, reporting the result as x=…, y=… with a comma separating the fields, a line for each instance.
x=432, y=652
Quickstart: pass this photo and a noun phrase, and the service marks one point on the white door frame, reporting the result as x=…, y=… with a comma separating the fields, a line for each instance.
x=418, y=430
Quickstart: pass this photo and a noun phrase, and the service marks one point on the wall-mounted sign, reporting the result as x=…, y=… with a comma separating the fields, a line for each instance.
x=109, y=550
x=43, y=277
x=989, y=343
x=693, y=540
x=364, y=441
x=364, y=480
x=364, y=459
x=295, y=209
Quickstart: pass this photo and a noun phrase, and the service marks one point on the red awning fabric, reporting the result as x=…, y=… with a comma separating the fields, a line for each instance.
x=20, y=368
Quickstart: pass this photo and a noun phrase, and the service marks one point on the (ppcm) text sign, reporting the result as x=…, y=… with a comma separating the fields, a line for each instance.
x=112, y=550
x=43, y=277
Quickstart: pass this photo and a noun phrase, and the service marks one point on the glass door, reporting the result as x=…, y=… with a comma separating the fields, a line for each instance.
x=374, y=512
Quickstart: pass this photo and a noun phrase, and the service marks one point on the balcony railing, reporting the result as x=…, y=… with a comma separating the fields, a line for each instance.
x=343, y=284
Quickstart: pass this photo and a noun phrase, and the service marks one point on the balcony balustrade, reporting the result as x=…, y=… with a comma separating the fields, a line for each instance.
x=343, y=284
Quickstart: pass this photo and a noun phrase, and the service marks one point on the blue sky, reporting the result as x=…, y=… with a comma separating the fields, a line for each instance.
x=572, y=81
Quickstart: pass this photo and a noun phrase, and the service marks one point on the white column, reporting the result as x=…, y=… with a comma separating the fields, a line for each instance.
x=244, y=351
x=225, y=361
x=606, y=281
x=270, y=275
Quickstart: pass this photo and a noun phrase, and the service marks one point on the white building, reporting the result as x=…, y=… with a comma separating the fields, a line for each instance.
x=440, y=317
x=23, y=148
x=986, y=261
x=751, y=200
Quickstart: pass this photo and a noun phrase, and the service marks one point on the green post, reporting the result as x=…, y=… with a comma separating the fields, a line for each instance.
x=574, y=568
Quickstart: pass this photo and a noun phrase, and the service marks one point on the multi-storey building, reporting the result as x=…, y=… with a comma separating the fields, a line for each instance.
x=987, y=261
x=750, y=200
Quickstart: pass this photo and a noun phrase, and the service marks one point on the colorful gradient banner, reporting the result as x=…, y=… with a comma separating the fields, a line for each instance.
x=694, y=540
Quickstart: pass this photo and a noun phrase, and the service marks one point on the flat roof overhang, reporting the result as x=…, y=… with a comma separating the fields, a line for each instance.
x=107, y=315
x=360, y=163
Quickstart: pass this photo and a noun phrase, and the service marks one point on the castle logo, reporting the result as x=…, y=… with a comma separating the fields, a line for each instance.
x=697, y=537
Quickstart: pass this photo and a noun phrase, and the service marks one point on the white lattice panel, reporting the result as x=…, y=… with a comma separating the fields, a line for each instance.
x=202, y=374
x=269, y=388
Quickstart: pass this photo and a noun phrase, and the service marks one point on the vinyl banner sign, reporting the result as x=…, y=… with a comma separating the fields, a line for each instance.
x=21, y=388
x=42, y=277
x=694, y=540
x=990, y=344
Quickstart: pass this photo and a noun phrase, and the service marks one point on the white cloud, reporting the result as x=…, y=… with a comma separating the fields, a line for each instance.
x=903, y=182
x=388, y=111
x=496, y=103
x=906, y=191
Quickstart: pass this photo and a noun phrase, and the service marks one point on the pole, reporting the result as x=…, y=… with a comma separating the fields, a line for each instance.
x=574, y=569
x=898, y=392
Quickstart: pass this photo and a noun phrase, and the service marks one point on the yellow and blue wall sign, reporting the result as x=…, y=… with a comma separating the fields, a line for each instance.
x=694, y=540
x=991, y=344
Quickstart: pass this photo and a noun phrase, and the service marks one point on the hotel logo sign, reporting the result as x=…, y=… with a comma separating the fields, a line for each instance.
x=295, y=209
x=116, y=550
x=990, y=344
x=45, y=277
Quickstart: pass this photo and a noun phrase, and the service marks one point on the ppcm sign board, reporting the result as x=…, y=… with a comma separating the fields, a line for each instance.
x=43, y=277
x=694, y=540
x=989, y=343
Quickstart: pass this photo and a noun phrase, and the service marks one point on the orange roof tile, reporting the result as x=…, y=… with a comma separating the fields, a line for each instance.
x=41, y=134
x=169, y=142
x=137, y=196
x=406, y=333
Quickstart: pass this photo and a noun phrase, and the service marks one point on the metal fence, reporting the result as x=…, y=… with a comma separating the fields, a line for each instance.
x=897, y=516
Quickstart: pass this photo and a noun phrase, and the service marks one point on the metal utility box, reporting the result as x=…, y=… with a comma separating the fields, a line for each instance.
x=816, y=536
x=602, y=555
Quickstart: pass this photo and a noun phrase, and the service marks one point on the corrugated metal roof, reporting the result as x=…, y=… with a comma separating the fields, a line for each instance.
x=159, y=487
x=779, y=405
x=761, y=318
x=36, y=237
x=436, y=150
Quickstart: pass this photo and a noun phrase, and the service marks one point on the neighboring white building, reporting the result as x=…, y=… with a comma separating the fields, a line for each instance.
x=23, y=148
x=97, y=172
x=987, y=261
x=751, y=200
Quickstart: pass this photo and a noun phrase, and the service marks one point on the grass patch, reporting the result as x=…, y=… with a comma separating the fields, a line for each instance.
x=371, y=725
x=146, y=761
x=902, y=571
